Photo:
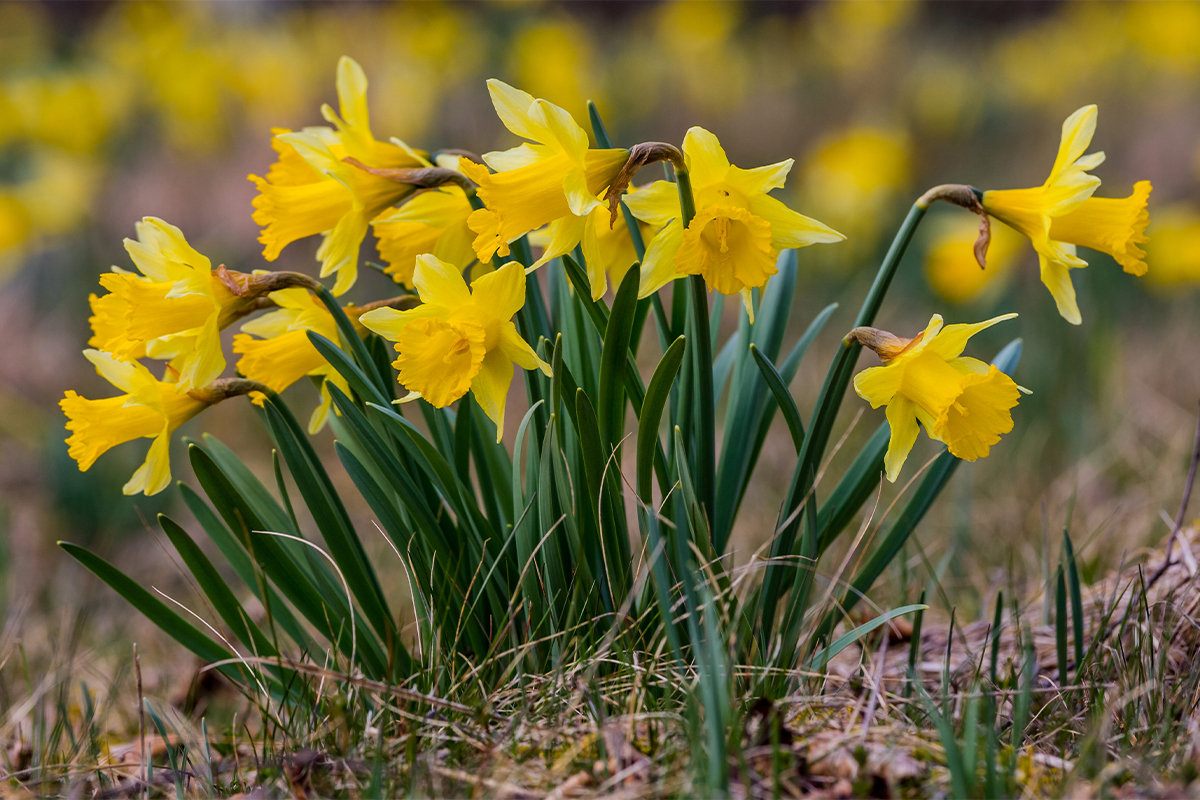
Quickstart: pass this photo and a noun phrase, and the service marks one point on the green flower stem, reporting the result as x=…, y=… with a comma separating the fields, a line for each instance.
x=837, y=379
x=700, y=337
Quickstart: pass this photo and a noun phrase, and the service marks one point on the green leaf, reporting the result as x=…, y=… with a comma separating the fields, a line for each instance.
x=363, y=384
x=157, y=612
x=613, y=359
x=826, y=654
x=332, y=520
x=223, y=600
x=657, y=394
x=787, y=405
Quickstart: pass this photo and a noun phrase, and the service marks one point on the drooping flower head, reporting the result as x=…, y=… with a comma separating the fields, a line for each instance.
x=738, y=229
x=554, y=181
x=960, y=401
x=174, y=309
x=283, y=353
x=460, y=338
x=1061, y=214
x=149, y=408
x=312, y=189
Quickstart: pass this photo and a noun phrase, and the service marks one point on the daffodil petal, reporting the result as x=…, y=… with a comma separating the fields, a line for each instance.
x=1057, y=278
x=1077, y=132
x=513, y=107
x=878, y=385
x=706, y=159
x=490, y=387
x=503, y=292
x=659, y=267
x=790, y=228
x=657, y=203
x=565, y=233
x=952, y=339
x=439, y=283
x=902, y=418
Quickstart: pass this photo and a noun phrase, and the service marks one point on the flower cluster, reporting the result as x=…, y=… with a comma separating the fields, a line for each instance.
x=457, y=229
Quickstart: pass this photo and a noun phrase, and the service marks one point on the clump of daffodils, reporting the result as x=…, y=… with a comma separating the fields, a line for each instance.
x=458, y=229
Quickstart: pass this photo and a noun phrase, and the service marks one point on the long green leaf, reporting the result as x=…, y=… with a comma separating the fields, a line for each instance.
x=657, y=394
x=613, y=360
x=157, y=612
x=824, y=655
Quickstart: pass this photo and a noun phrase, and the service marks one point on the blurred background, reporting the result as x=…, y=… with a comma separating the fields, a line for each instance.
x=113, y=111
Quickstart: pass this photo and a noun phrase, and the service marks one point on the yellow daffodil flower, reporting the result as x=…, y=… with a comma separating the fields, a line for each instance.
x=174, y=309
x=283, y=353
x=1061, y=214
x=460, y=338
x=950, y=265
x=960, y=401
x=738, y=228
x=433, y=221
x=313, y=190
x=150, y=408
x=554, y=181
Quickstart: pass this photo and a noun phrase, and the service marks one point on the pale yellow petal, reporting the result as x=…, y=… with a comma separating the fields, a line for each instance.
x=439, y=283
x=760, y=180
x=902, y=418
x=499, y=294
x=1077, y=132
x=657, y=203
x=518, y=351
x=1057, y=277
x=564, y=130
x=878, y=385
x=521, y=156
x=565, y=233
x=128, y=376
x=154, y=474
x=352, y=94
x=659, y=267
x=952, y=339
x=490, y=387
x=705, y=157
x=513, y=107
x=790, y=228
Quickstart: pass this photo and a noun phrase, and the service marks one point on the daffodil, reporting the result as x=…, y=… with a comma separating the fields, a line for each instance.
x=174, y=309
x=150, y=408
x=1061, y=214
x=312, y=189
x=738, y=229
x=960, y=401
x=283, y=353
x=554, y=181
x=434, y=221
x=460, y=338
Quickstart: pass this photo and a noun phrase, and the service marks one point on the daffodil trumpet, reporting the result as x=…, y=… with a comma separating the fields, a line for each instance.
x=150, y=408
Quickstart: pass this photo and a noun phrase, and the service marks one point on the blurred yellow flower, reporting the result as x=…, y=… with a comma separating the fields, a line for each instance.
x=312, y=190
x=554, y=181
x=150, y=408
x=950, y=265
x=433, y=221
x=853, y=176
x=960, y=401
x=174, y=309
x=283, y=353
x=15, y=230
x=1175, y=247
x=460, y=338
x=553, y=59
x=1168, y=33
x=708, y=66
x=1033, y=211
x=738, y=227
